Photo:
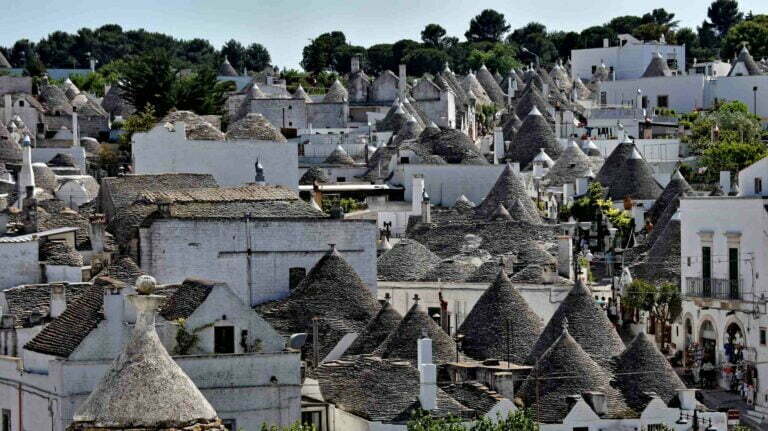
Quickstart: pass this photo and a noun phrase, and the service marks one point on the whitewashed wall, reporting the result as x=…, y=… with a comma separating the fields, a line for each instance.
x=20, y=261
x=445, y=183
x=44, y=155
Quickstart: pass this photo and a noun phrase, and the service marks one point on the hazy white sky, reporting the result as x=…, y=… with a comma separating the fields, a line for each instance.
x=284, y=26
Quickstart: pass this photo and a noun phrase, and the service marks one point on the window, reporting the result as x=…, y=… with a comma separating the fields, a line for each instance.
x=405, y=160
x=644, y=101
x=580, y=428
x=758, y=185
x=434, y=313
x=706, y=270
x=290, y=107
x=341, y=179
x=6, y=420
x=733, y=272
x=229, y=424
x=656, y=427
x=224, y=339
x=313, y=418
x=603, y=98
x=594, y=69
x=662, y=101
x=762, y=337
x=21, y=103
x=295, y=275
x=290, y=124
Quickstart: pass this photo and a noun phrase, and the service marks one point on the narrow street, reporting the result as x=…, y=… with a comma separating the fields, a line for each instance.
x=719, y=399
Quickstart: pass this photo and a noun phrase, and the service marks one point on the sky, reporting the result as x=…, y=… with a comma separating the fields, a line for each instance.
x=285, y=26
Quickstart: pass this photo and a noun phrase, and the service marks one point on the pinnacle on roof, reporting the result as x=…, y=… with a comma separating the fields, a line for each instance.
x=500, y=213
x=377, y=330
x=144, y=387
x=642, y=369
x=624, y=174
x=254, y=126
x=587, y=323
x=336, y=94
x=301, y=94
x=531, y=97
x=534, y=134
x=566, y=369
x=507, y=188
x=402, y=342
x=745, y=58
x=662, y=263
x=339, y=157
x=500, y=316
x=491, y=86
x=544, y=158
x=590, y=149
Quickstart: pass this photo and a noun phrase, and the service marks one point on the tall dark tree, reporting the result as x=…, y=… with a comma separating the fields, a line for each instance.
x=148, y=79
x=661, y=17
x=724, y=14
x=592, y=37
x=257, y=57
x=201, y=92
x=433, y=35
x=55, y=50
x=624, y=24
x=342, y=58
x=425, y=60
x=534, y=38
x=400, y=49
x=564, y=42
x=489, y=26
x=234, y=51
x=380, y=58
x=318, y=55
x=199, y=51
x=20, y=52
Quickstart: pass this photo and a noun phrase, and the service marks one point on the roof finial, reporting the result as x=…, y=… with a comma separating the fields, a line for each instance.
x=416, y=299
x=564, y=325
x=387, y=297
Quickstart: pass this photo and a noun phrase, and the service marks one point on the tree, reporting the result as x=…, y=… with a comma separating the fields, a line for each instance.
x=257, y=57
x=731, y=156
x=686, y=36
x=33, y=66
x=624, y=24
x=199, y=51
x=234, y=51
x=342, y=58
x=140, y=121
x=592, y=37
x=489, y=26
x=565, y=42
x=20, y=52
x=753, y=32
x=724, y=14
x=380, y=58
x=400, y=49
x=519, y=420
x=662, y=303
x=652, y=31
x=318, y=55
x=201, y=92
x=148, y=79
x=498, y=57
x=425, y=60
x=661, y=17
x=432, y=35
x=533, y=36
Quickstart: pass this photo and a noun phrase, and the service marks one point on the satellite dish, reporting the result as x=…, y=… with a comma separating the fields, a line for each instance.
x=297, y=341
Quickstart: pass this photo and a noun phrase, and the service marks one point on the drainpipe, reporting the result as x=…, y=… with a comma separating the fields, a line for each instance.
x=21, y=409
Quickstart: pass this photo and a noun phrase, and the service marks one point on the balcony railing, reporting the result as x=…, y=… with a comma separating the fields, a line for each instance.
x=715, y=288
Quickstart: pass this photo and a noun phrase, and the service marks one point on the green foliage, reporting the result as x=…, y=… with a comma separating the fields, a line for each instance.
x=140, y=121
x=724, y=14
x=594, y=203
x=489, y=26
x=734, y=121
x=96, y=82
x=347, y=204
x=730, y=156
x=433, y=35
x=533, y=36
x=486, y=116
x=319, y=54
x=520, y=420
x=185, y=340
x=753, y=32
x=497, y=57
x=255, y=57
x=425, y=60
x=661, y=302
x=109, y=160
x=201, y=92
x=34, y=67
x=294, y=427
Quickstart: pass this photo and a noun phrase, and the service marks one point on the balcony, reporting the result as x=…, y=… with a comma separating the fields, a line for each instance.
x=715, y=288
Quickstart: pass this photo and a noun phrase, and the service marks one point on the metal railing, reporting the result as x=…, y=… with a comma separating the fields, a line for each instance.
x=716, y=288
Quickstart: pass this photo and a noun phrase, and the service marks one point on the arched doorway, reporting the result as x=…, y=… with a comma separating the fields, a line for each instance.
x=734, y=343
x=688, y=332
x=708, y=341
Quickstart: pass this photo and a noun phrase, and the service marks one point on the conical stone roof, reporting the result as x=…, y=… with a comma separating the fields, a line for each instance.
x=571, y=164
x=676, y=185
x=511, y=126
x=402, y=342
x=339, y=157
x=336, y=94
x=657, y=67
x=643, y=368
x=144, y=388
x=4, y=64
x=411, y=130
x=485, y=329
x=376, y=331
x=534, y=134
x=500, y=213
x=519, y=212
x=254, y=126
x=313, y=174
x=471, y=84
x=491, y=86
x=408, y=260
x=226, y=69
x=587, y=323
x=301, y=94
x=566, y=369
x=662, y=263
x=530, y=98
x=749, y=63
x=634, y=180
x=508, y=187
x=582, y=92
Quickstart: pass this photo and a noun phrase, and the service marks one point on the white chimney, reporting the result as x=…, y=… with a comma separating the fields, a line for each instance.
x=96, y=232
x=26, y=175
x=417, y=189
x=401, y=84
x=427, y=375
x=687, y=398
x=581, y=185
x=725, y=181
x=515, y=167
x=498, y=145
x=426, y=208
x=93, y=64
x=114, y=314
x=75, y=130
x=565, y=257
x=504, y=384
x=355, y=64
x=606, y=43
x=58, y=300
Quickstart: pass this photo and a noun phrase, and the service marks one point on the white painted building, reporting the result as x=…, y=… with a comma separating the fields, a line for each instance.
x=231, y=162
x=724, y=244
x=627, y=60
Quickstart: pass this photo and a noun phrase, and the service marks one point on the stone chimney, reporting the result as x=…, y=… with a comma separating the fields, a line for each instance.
x=427, y=375
x=565, y=257
x=58, y=299
x=582, y=183
x=259, y=179
x=75, y=130
x=97, y=233
x=7, y=107
x=26, y=175
x=571, y=401
x=355, y=64
x=687, y=398
x=426, y=208
x=401, y=83
x=725, y=181
x=597, y=400
x=114, y=311
x=29, y=210
x=498, y=145
x=606, y=43
x=504, y=383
